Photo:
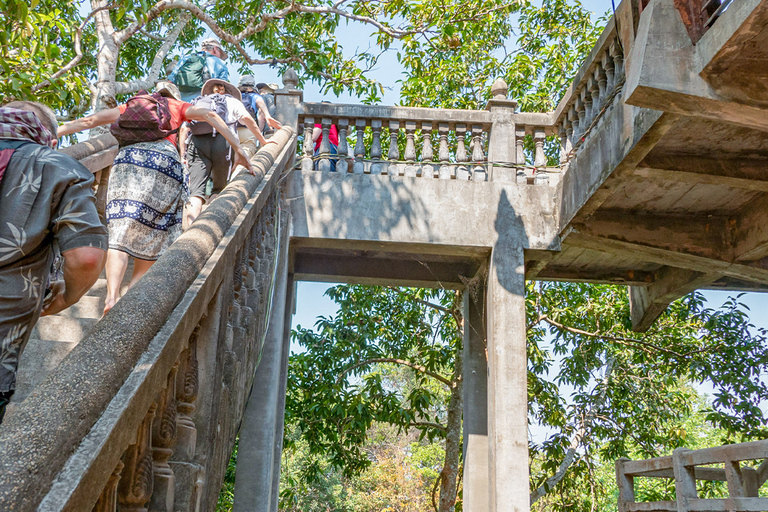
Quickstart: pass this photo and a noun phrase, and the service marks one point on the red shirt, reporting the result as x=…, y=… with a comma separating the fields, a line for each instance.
x=178, y=115
x=333, y=136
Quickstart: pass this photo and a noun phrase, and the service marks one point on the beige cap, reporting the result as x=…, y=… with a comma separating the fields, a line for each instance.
x=213, y=42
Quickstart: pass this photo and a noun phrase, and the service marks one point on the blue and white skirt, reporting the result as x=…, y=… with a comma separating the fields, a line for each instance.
x=145, y=199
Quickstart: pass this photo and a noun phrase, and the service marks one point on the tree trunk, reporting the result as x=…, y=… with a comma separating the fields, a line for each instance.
x=450, y=474
x=103, y=91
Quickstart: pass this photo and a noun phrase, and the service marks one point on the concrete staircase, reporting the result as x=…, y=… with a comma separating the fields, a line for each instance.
x=55, y=336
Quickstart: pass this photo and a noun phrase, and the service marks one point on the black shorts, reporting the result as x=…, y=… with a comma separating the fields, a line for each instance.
x=207, y=157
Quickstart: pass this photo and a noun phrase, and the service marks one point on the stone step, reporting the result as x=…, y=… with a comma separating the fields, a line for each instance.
x=62, y=328
x=89, y=306
x=39, y=358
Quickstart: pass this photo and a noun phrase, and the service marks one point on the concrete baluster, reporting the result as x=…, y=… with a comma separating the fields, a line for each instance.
x=618, y=64
x=586, y=97
x=163, y=441
x=445, y=171
x=342, y=165
x=186, y=395
x=607, y=64
x=594, y=92
x=685, y=480
x=135, y=487
x=522, y=175
x=410, y=149
x=427, y=170
x=565, y=134
x=108, y=498
x=462, y=171
x=376, y=147
x=581, y=114
x=540, y=159
x=324, y=164
x=309, y=146
x=394, y=152
x=626, y=484
x=573, y=117
x=359, y=166
x=602, y=85
x=479, y=172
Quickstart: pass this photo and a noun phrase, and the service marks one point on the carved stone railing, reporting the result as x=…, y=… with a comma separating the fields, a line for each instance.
x=596, y=87
x=429, y=143
x=143, y=412
x=685, y=467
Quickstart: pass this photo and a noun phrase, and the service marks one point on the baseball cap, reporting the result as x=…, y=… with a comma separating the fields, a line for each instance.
x=247, y=81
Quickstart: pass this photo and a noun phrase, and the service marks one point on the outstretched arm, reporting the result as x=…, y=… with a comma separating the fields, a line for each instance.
x=213, y=119
x=251, y=125
x=271, y=121
x=100, y=118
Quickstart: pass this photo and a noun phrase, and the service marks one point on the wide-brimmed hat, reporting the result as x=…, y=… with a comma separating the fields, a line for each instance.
x=168, y=89
x=262, y=85
x=230, y=89
x=213, y=42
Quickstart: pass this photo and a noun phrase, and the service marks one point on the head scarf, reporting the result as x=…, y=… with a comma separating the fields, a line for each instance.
x=18, y=124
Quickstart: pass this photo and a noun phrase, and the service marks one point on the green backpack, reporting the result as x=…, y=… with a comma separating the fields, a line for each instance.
x=192, y=74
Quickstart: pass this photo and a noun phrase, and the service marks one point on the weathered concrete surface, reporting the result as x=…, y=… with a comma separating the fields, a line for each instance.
x=339, y=207
x=256, y=465
x=42, y=433
x=475, y=426
x=664, y=74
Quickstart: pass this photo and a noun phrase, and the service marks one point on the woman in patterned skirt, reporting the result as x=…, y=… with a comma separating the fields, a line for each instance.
x=147, y=190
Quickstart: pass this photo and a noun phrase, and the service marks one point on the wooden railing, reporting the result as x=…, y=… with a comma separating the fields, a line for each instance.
x=143, y=412
x=688, y=466
x=420, y=142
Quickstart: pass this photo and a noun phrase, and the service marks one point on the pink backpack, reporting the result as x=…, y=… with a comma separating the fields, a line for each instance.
x=147, y=118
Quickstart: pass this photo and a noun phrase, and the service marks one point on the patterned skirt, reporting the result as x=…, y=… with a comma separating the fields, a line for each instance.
x=145, y=199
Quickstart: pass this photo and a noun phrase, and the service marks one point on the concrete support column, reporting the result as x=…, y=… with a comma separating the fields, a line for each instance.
x=501, y=144
x=507, y=378
x=261, y=431
x=476, y=484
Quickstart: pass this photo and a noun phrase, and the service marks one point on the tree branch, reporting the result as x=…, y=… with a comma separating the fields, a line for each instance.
x=570, y=455
x=403, y=362
x=429, y=425
x=157, y=62
x=78, y=50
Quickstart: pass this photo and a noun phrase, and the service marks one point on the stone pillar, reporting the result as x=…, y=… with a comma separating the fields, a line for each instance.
x=501, y=146
x=288, y=100
x=259, y=433
x=507, y=370
x=475, y=400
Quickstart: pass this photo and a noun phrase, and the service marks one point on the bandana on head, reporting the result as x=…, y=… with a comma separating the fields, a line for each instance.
x=18, y=124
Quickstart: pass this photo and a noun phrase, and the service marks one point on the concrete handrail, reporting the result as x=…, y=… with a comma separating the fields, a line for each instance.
x=62, y=417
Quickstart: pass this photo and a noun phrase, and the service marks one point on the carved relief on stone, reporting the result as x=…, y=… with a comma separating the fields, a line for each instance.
x=136, y=485
x=108, y=499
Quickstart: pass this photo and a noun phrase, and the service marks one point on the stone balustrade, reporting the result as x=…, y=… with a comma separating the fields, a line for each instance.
x=423, y=143
x=143, y=412
x=596, y=87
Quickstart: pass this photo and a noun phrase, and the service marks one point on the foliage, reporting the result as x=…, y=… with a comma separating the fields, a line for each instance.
x=344, y=380
x=227, y=494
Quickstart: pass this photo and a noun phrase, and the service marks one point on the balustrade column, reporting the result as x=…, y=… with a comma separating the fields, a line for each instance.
x=135, y=487
x=607, y=64
x=309, y=146
x=324, y=164
x=376, y=147
x=427, y=170
x=359, y=166
x=462, y=171
x=602, y=86
x=394, y=152
x=108, y=499
x=520, y=153
x=586, y=97
x=581, y=114
x=163, y=440
x=478, y=172
x=342, y=165
x=540, y=159
x=618, y=65
x=410, y=149
x=443, y=154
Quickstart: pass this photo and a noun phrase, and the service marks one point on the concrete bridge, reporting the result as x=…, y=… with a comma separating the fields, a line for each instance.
x=660, y=185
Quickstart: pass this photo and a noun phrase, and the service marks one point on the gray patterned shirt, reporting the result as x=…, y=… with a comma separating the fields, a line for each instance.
x=45, y=198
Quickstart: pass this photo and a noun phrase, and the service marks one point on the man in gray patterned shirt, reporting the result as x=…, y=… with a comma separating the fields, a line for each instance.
x=45, y=199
